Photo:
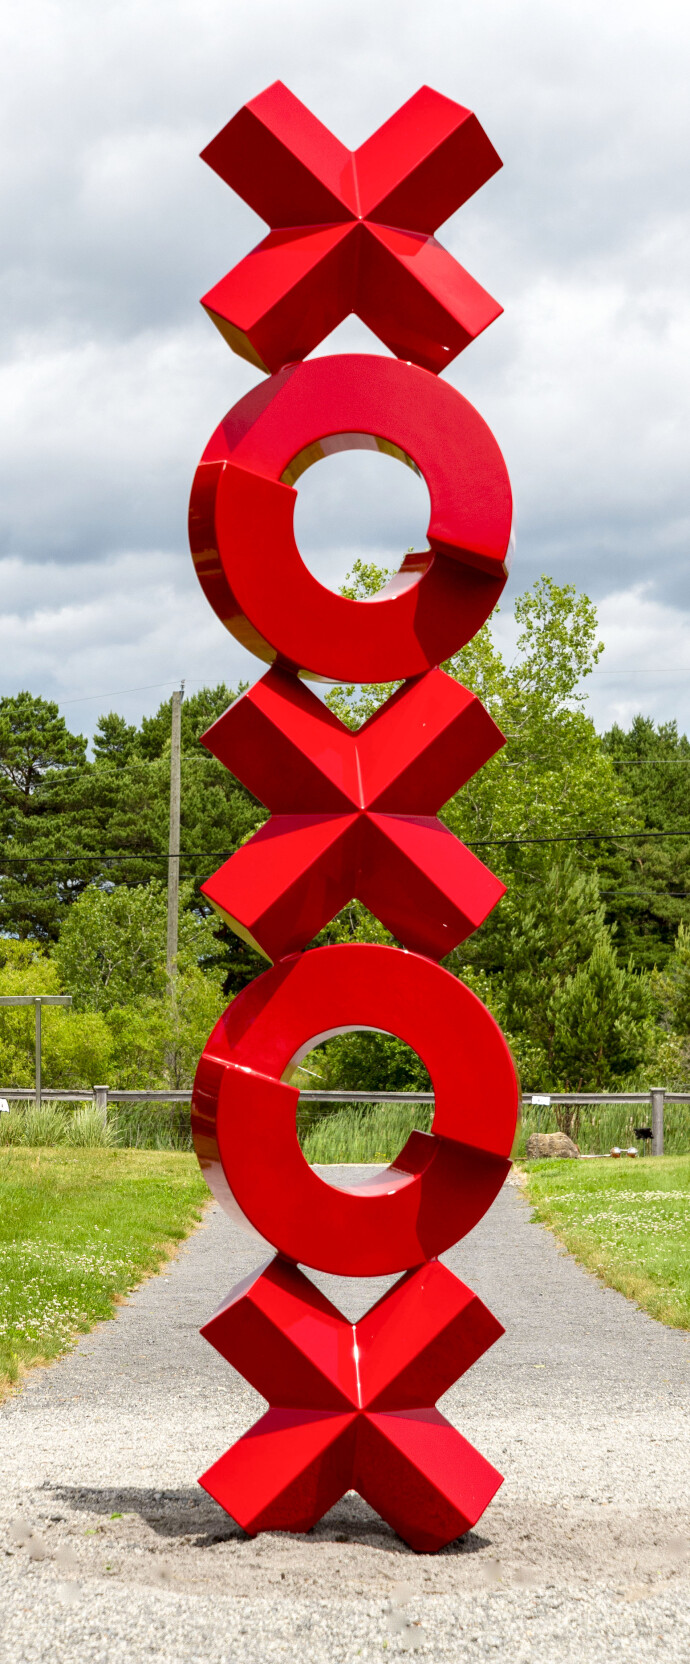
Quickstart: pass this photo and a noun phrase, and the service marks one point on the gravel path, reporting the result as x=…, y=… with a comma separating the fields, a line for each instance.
x=113, y=1553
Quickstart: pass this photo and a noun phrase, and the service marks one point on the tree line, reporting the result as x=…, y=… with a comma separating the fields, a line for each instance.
x=585, y=962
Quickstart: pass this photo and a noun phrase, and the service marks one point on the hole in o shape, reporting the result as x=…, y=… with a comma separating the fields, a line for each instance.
x=242, y=510
x=360, y=503
x=244, y=1110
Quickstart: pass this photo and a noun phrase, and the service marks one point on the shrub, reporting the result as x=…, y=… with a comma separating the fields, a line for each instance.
x=47, y=1125
x=11, y=1127
x=374, y=1132
x=88, y=1129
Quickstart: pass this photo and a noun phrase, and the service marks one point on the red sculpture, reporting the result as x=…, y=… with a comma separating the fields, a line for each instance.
x=243, y=501
x=349, y=230
x=350, y=1404
x=244, y=1111
x=353, y=814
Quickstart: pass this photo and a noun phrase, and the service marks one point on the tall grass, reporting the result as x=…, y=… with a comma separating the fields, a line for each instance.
x=130, y=1126
x=596, y=1128
x=152, y=1126
x=376, y=1132
x=342, y=1133
x=363, y=1132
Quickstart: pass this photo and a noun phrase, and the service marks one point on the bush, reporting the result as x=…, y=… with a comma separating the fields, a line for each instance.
x=367, y=1132
x=88, y=1129
x=153, y=1127
x=47, y=1125
x=11, y=1127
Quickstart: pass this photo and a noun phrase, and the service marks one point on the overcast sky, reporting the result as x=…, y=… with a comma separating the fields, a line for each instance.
x=113, y=378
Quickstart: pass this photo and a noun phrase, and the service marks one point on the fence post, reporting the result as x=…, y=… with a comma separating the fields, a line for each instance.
x=656, y=1098
x=100, y=1099
x=37, y=1015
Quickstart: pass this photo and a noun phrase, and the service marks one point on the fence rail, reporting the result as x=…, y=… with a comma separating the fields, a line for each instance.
x=102, y=1097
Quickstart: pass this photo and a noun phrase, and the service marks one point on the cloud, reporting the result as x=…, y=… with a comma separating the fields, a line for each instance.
x=642, y=632
x=140, y=624
x=111, y=379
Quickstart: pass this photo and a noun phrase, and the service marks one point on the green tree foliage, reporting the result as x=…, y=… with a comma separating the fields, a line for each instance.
x=124, y=1027
x=34, y=739
x=544, y=934
x=601, y=1024
x=112, y=946
x=112, y=957
x=674, y=986
x=646, y=884
x=68, y=822
x=365, y=1061
x=552, y=779
x=76, y=1047
x=564, y=960
x=37, y=751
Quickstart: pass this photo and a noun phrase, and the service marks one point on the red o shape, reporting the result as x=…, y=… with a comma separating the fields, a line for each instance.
x=242, y=510
x=243, y=1112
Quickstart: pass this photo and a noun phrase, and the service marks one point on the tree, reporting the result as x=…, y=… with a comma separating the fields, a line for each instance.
x=34, y=739
x=367, y=1061
x=540, y=935
x=112, y=946
x=37, y=753
x=550, y=781
x=106, y=821
x=115, y=741
x=647, y=881
x=551, y=777
x=115, y=953
x=601, y=1017
x=76, y=1049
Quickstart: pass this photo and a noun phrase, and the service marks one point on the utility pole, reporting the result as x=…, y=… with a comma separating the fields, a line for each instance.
x=174, y=835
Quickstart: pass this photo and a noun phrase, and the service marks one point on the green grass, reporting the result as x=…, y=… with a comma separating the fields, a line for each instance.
x=158, y=1126
x=78, y=1228
x=373, y=1132
x=627, y=1220
x=363, y=1132
x=597, y=1127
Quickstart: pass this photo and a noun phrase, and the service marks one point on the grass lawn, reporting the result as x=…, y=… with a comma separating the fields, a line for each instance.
x=77, y=1228
x=627, y=1220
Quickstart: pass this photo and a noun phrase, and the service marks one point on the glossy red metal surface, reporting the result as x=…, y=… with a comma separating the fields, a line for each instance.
x=352, y=1404
x=242, y=508
x=354, y=814
x=244, y=1110
x=352, y=231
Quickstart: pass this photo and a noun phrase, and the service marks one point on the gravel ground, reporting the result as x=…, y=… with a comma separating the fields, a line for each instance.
x=112, y=1552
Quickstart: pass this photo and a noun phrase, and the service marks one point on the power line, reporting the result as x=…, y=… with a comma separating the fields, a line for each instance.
x=104, y=855
x=640, y=836
x=29, y=860
x=661, y=670
x=146, y=687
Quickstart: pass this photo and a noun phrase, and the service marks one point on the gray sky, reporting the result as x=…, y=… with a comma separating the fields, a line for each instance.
x=112, y=378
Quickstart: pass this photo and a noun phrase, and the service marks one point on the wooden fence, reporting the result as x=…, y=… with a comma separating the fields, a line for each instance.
x=102, y=1097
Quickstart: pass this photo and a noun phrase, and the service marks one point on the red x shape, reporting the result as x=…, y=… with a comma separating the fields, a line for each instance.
x=354, y=814
x=352, y=1404
x=352, y=231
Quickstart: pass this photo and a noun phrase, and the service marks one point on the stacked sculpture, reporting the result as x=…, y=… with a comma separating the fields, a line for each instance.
x=352, y=1406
